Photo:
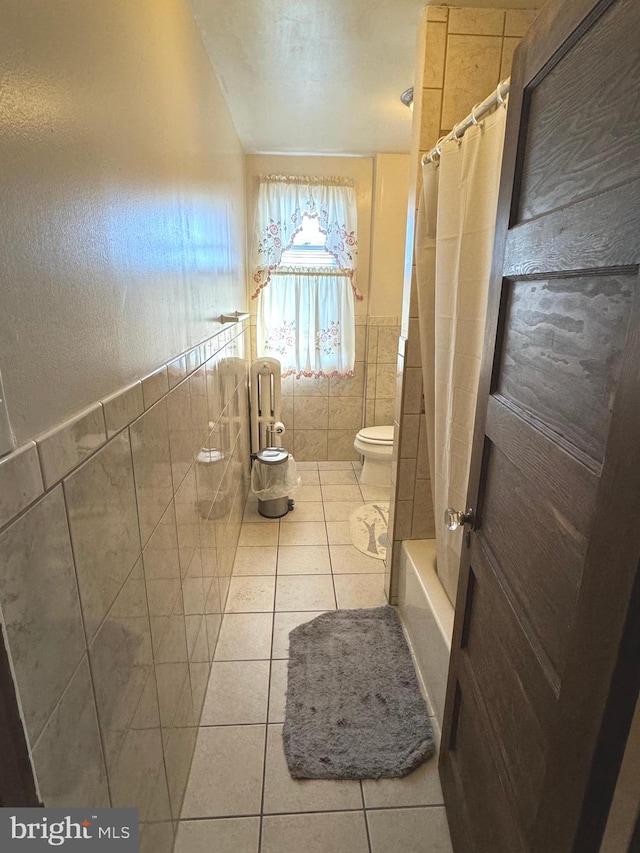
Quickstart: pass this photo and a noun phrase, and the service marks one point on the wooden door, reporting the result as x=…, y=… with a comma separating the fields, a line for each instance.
x=546, y=649
x=17, y=787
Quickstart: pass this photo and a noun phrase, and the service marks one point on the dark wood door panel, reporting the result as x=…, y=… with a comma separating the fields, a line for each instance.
x=542, y=461
x=471, y=764
x=597, y=233
x=580, y=137
x=17, y=785
x=561, y=353
x=544, y=663
x=521, y=529
x=510, y=629
x=602, y=678
x=518, y=716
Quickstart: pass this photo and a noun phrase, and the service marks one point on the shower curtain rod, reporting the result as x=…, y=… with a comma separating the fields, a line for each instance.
x=481, y=109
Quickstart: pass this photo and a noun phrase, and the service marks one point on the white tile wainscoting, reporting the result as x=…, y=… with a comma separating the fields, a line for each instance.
x=322, y=416
x=117, y=540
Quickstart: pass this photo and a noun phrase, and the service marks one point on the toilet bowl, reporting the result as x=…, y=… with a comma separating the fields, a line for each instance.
x=375, y=444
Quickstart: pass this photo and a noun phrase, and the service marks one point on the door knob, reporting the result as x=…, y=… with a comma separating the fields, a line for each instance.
x=455, y=518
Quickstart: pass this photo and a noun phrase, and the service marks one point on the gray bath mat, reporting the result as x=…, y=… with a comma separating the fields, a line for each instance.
x=354, y=708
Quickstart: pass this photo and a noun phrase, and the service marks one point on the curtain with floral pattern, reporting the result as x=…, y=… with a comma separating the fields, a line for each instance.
x=283, y=202
x=305, y=320
x=306, y=315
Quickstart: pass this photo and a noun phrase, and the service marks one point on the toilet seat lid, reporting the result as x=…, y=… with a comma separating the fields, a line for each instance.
x=377, y=435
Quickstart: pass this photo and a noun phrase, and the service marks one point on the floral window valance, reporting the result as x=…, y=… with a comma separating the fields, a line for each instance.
x=283, y=202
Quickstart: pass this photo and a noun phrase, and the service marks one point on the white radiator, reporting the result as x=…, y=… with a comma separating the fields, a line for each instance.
x=266, y=395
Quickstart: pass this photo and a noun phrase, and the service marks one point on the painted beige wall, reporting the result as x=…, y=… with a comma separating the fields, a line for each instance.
x=388, y=233
x=122, y=205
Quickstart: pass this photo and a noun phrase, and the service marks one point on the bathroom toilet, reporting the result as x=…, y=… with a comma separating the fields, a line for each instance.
x=376, y=446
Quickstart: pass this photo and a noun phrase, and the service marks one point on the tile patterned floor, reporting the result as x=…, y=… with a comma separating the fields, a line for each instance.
x=240, y=797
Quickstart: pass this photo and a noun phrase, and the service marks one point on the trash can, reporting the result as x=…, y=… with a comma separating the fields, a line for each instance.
x=273, y=478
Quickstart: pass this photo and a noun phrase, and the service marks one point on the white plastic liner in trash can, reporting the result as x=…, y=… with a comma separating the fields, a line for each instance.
x=274, y=474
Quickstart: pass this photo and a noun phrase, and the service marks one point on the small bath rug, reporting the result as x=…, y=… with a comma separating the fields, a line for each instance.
x=368, y=528
x=354, y=708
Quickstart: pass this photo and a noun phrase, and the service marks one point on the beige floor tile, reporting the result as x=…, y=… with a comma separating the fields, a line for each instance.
x=341, y=493
x=394, y=830
x=245, y=636
x=335, y=466
x=304, y=533
x=305, y=592
x=338, y=533
x=338, y=478
x=226, y=835
x=250, y=595
x=309, y=478
x=304, y=560
x=237, y=693
x=278, y=691
x=359, y=590
x=340, y=510
x=252, y=516
x=226, y=774
x=347, y=559
x=370, y=494
x=338, y=832
x=305, y=511
x=284, y=794
x=255, y=561
x=307, y=493
x=420, y=788
x=257, y=534
x=307, y=466
x=285, y=622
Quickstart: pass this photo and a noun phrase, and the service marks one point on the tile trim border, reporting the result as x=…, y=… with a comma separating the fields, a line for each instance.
x=46, y=479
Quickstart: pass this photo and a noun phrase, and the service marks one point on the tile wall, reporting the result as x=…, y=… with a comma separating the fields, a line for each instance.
x=462, y=55
x=467, y=52
x=323, y=416
x=118, y=532
x=381, y=363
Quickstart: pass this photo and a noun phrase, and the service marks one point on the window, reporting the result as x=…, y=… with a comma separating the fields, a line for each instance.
x=304, y=264
x=308, y=248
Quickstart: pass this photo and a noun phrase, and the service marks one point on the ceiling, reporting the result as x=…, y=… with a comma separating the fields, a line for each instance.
x=314, y=77
x=317, y=76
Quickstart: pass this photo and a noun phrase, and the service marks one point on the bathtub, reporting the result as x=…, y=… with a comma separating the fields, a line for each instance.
x=427, y=615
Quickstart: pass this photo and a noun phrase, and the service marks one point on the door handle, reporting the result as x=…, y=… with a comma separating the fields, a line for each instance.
x=455, y=518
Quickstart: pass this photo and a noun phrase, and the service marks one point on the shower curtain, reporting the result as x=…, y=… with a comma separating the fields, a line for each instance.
x=454, y=244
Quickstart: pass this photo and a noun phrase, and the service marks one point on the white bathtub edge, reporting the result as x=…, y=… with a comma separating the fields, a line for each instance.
x=427, y=616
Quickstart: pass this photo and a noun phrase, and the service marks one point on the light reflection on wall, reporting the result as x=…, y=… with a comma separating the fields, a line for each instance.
x=155, y=234
x=31, y=104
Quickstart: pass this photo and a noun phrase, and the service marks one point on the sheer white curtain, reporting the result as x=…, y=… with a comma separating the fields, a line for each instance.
x=456, y=248
x=306, y=315
x=305, y=320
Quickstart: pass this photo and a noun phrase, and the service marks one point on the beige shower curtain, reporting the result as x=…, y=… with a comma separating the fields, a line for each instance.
x=453, y=259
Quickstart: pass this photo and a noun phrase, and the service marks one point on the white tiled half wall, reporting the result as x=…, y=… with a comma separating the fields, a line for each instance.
x=322, y=416
x=118, y=531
